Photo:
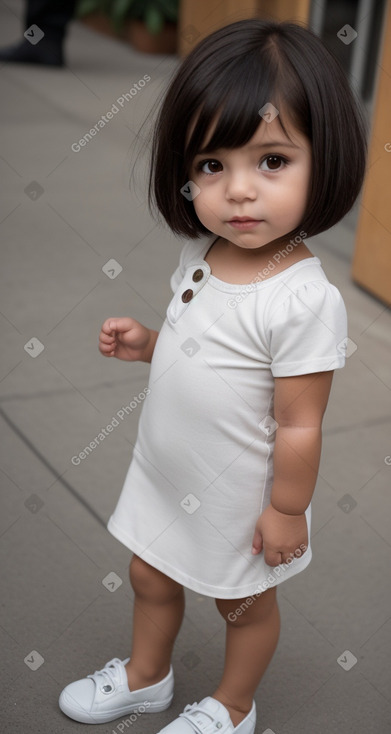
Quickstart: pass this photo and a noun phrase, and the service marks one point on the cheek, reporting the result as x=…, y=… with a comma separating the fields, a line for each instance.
x=203, y=205
x=298, y=199
x=303, y=186
x=295, y=195
x=198, y=208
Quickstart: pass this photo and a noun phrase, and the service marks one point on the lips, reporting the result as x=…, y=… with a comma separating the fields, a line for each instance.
x=244, y=222
x=243, y=219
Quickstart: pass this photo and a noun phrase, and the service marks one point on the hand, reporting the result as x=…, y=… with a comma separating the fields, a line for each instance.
x=124, y=338
x=280, y=536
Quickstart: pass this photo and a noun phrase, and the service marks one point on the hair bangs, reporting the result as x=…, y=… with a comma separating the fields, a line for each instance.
x=232, y=123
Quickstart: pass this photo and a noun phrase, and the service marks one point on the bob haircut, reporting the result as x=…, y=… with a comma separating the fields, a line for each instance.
x=230, y=76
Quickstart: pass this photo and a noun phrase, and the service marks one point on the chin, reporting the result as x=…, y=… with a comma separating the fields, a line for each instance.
x=255, y=244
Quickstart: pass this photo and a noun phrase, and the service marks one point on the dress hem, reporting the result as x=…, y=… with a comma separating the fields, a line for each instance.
x=299, y=564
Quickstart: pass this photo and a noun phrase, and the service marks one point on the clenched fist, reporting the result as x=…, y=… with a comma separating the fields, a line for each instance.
x=127, y=339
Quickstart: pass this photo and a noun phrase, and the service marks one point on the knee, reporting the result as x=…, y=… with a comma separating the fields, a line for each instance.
x=150, y=584
x=233, y=610
x=240, y=612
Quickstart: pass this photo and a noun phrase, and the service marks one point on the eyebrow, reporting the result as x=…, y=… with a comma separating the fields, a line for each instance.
x=273, y=144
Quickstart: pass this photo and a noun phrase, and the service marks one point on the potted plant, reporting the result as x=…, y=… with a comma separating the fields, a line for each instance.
x=149, y=25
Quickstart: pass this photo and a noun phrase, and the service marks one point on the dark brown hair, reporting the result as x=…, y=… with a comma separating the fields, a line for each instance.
x=231, y=75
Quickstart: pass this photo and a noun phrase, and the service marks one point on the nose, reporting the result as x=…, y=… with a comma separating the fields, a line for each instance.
x=240, y=186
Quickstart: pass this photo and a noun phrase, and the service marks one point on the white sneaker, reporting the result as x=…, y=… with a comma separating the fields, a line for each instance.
x=105, y=695
x=207, y=717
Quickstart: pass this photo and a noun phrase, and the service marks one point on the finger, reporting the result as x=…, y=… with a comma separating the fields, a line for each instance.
x=106, y=349
x=257, y=543
x=106, y=326
x=120, y=324
x=272, y=557
x=106, y=338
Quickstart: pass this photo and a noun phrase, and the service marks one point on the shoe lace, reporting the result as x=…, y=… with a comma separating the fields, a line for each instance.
x=109, y=675
x=200, y=727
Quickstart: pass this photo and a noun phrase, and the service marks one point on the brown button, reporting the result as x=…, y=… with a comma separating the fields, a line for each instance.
x=187, y=295
x=198, y=275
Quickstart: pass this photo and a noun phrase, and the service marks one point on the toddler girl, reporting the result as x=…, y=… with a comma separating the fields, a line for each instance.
x=258, y=146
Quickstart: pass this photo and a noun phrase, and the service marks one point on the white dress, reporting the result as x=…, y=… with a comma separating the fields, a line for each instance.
x=202, y=467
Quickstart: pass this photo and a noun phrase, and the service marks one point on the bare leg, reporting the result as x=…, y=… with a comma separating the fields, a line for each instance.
x=159, y=606
x=251, y=640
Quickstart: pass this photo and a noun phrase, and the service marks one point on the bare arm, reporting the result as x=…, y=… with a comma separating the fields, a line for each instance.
x=299, y=406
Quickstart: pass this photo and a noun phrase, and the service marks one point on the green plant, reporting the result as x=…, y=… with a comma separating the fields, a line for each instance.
x=154, y=13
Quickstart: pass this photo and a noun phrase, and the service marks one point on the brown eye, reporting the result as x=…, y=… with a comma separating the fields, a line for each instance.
x=272, y=163
x=211, y=167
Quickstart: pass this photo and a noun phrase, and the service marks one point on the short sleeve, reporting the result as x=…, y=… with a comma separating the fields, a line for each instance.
x=307, y=332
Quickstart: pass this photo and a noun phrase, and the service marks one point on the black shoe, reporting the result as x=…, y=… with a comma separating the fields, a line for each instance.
x=44, y=52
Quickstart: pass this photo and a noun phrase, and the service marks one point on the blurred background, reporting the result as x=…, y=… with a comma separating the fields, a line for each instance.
x=78, y=245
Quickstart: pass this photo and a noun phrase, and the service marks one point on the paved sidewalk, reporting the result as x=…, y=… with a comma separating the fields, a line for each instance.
x=65, y=215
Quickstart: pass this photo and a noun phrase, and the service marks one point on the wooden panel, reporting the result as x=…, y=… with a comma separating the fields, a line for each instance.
x=296, y=10
x=372, y=256
x=198, y=19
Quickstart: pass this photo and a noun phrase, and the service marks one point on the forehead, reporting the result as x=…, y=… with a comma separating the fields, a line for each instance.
x=273, y=133
x=268, y=133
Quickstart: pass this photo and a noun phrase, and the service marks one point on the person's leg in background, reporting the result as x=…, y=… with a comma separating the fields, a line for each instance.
x=52, y=18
